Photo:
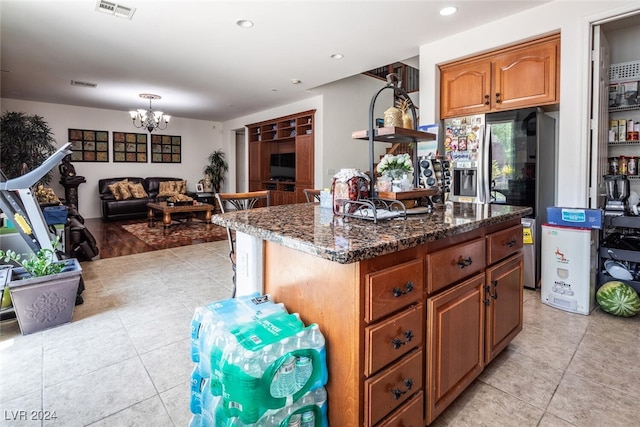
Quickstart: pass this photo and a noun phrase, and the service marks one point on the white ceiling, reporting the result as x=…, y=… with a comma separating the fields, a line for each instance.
x=203, y=65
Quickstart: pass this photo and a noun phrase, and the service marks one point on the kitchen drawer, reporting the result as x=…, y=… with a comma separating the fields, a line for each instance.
x=449, y=265
x=392, y=387
x=388, y=340
x=503, y=243
x=408, y=415
x=393, y=288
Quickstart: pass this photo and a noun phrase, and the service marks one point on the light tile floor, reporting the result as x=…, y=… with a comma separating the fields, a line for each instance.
x=124, y=360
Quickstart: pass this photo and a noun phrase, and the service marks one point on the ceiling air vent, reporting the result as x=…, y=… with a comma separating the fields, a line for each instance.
x=83, y=84
x=115, y=9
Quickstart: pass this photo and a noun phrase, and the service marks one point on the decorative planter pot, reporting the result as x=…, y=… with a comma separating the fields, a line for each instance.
x=44, y=302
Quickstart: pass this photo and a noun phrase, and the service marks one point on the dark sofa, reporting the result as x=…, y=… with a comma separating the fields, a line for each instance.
x=113, y=209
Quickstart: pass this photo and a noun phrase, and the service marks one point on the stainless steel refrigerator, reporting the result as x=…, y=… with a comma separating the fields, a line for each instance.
x=509, y=158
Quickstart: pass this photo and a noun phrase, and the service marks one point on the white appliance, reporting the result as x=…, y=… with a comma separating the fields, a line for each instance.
x=569, y=261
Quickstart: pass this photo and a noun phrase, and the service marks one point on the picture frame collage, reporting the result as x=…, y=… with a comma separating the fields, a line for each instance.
x=129, y=147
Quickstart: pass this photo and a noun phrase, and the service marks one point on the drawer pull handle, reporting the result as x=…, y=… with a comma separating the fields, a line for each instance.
x=486, y=100
x=397, y=292
x=397, y=393
x=397, y=342
x=487, y=288
x=498, y=100
x=511, y=243
x=464, y=262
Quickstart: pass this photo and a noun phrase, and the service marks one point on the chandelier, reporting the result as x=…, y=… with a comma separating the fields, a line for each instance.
x=149, y=119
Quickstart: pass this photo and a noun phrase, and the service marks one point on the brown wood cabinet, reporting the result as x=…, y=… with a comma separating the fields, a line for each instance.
x=519, y=76
x=400, y=349
x=288, y=134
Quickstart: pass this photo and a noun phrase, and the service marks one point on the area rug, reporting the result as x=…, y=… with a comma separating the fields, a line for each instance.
x=178, y=235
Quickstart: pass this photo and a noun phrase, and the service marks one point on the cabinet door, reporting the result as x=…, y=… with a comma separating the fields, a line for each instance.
x=455, y=342
x=465, y=89
x=503, y=298
x=526, y=77
x=304, y=159
x=254, y=163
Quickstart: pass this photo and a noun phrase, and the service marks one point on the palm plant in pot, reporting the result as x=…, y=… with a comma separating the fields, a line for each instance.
x=216, y=169
x=43, y=290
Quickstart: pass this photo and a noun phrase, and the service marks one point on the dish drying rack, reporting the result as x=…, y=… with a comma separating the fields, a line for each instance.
x=375, y=207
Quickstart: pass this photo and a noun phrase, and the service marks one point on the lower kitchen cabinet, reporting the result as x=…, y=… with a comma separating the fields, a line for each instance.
x=503, y=300
x=455, y=342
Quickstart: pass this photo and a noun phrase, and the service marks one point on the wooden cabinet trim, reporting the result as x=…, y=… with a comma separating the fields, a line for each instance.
x=504, y=243
x=504, y=314
x=379, y=399
x=393, y=288
x=389, y=340
x=459, y=313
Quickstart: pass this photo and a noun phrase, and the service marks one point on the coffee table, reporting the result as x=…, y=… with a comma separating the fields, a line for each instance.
x=168, y=210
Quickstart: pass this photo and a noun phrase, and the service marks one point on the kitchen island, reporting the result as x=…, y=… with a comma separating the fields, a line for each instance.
x=412, y=309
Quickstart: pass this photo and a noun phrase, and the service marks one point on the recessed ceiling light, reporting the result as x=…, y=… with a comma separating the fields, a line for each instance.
x=295, y=81
x=337, y=56
x=450, y=10
x=244, y=23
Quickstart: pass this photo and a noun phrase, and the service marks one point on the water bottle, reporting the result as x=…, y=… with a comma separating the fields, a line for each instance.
x=196, y=324
x=320, y=399
x=284, y=384
x=304, y=369
x=294, y=421
x=308, y=419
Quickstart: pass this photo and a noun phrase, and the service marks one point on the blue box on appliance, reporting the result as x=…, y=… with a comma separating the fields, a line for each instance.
x=575, y=217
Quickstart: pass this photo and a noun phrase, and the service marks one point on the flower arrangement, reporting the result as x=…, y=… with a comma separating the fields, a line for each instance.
x=395, y=166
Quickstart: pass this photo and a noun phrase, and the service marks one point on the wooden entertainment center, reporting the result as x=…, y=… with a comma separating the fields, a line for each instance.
x=292, y=134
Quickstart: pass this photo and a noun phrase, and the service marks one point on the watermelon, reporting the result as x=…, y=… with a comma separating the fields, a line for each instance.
x=619, y=299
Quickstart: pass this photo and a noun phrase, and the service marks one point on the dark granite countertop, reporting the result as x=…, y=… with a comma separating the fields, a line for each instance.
x=308, y=228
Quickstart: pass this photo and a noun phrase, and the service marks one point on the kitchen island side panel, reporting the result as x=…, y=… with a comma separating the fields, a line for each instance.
x=326, y=293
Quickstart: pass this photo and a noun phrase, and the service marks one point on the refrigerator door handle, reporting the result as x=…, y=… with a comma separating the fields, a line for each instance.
x=484, y=168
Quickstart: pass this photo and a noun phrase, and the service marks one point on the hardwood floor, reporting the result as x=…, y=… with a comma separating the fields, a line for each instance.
x=113, y=240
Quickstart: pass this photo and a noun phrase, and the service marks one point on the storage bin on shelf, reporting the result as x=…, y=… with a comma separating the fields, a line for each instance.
x=252, y=359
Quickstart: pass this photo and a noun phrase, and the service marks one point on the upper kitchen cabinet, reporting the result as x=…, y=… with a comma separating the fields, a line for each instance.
x=524, y=75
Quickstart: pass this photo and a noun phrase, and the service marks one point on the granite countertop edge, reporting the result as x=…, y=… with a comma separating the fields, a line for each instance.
x=267, y=224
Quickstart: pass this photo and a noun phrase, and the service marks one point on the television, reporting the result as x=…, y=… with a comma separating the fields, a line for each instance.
x=283, y=167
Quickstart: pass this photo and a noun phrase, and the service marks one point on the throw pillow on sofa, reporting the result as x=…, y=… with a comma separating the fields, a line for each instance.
x=115, y=189
x=170, y=188
x=123, y=188
x=137, y=190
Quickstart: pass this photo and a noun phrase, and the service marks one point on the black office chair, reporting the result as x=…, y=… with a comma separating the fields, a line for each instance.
x=239, y=202
x=311, y=195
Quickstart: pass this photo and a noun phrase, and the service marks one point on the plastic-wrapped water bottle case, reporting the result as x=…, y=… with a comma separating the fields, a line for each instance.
x=256, y=364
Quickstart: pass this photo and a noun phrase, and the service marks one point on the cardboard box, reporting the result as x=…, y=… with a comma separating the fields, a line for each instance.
x=575, y=217
x=622, y=130
x=613, y=128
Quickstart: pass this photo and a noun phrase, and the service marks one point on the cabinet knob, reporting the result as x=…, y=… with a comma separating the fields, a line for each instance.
x=464, y=262
x=397, y=292
x=397, y=342
x=498, y=100
x=486, y=100
x=397, y=393
x=511, y=243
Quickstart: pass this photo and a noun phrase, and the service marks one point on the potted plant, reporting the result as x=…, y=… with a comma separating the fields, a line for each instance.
x=216, y=169
x=26, y=141
x=43, y=290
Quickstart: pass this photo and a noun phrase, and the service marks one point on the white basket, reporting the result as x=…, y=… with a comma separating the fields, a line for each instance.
x=624, y=71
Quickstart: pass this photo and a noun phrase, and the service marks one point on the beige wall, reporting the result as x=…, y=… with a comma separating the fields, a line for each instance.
x=199, y=138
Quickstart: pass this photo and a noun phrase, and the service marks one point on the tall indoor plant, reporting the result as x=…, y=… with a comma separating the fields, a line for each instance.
x=216, y=169
x=24, y=140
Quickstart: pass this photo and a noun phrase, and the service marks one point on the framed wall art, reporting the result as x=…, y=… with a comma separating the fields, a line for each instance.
x=166, y=149
x=89, y=145
x=129, y=147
